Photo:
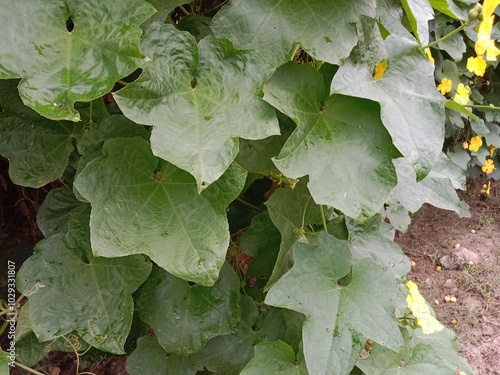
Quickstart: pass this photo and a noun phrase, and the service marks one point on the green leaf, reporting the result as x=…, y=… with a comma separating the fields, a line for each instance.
x=438, y=188
x=449, y=8
x=112, y=127
x=444, y=343
x=37, y=148
x=164, y=8
x=326, y=30
x=454, y=45
x=4, y=363
x=493, y=137
x=398, y=215
x=228, y=354
x=199, y=100
x=52, y=216
x=255, y=156
x=29, y=351
x=369, y=241
x=274, y=358
x=390, y=17
x=419, y=12
x=294, y=322
x=291, y=211
x=183, y=232
x=341, y=143
x=70, y=290
x=91, y=143
x=198, y=26
x=149, y=358
x=450, y=104
x=411, y=107
x=343, y=302
x=186, y=316
x=491, y=114
x=262, y=242
x=69, y=51
x=427, y=354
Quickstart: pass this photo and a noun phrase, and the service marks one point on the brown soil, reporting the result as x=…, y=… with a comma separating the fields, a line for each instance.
x=475, y=316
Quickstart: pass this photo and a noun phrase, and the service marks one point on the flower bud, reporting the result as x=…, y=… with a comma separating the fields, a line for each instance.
x=475, y=12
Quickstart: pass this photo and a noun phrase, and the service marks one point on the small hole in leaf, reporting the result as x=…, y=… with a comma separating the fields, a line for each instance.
x=190, y=283
x=346, y=280
x=193, y=83
x=69, y=24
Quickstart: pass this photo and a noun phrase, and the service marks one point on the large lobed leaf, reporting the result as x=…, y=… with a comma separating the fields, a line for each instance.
x=374, y=239
x=38, y=149
x=70, y=290
x=438, y=188
x=340, y=143
x=199, y=100
x=69, y=50
x=291, y=211
x=423, y=354
x=344, y=303
x=326, y=30
x=164, y=216
x=412, y=109
x=149, y=358
x=185, y=316
x=275, y=358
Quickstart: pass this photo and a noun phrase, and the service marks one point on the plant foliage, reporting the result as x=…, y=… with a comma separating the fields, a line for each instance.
x=229, y=174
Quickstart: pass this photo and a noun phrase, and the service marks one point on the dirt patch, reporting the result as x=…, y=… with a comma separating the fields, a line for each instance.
x=466, y=300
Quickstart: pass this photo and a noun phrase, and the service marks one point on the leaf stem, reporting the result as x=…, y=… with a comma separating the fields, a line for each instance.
x=184, y=10
x=323, y=219
x=247, y=204
x=297, y=46
x=458, y=29
x=20, y=365
x=122, y=82
x=214, y=8
x=304, y=214
x=482, y=106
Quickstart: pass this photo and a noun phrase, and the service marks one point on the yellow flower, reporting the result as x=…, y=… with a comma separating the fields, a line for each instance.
x=484, y=42
x=429, y=54
x=477, y=65
x=475, y=143
x=489, y=6
x=462, y=95
x=486, y=188
x=380, y=69
x=421, y=311
x=445, y=86
x=492, y=151
x=488, y=166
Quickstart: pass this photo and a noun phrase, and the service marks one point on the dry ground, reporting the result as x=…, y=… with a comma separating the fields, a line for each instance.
x=475, y=316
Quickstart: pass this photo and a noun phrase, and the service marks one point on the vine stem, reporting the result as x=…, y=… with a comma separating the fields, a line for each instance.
x=463, y=27
x=122, y=82
x=323, y=219
x=218, y=6
x=20, y=365
x=242, y=201
x=297, y=46
x=184, y=10
x=482, y=106
x=304, y=213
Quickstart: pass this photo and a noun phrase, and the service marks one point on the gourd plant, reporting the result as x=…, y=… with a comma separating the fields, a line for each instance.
x=231, y=174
